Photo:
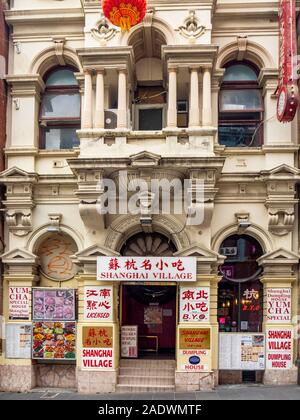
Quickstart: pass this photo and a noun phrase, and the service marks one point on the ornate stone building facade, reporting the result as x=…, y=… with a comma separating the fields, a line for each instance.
x=188, y=94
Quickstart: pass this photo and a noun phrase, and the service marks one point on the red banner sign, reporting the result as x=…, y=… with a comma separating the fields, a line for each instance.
x=287, y=87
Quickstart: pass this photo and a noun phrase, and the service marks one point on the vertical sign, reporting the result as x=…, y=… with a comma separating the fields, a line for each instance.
x=194, y=304
x=19, y=303
x=98, y=303
x=194, y=354
x=129, y=341
x=287, y=86
x=279, y=348
x=97, y=348
x=279, y=305
x=18, y=341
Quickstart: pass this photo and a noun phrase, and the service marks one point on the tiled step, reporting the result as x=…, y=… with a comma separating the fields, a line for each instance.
x=122, y=388
x=157, y=364
x=146, y=380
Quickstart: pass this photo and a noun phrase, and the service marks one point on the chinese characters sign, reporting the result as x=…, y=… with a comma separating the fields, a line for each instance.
x=146, y=269
x=279, y=348
x=19, y=302
x=194, y=304
x=279, y=305
x=54, y=340
x=129, y=341
x=97, y=351
x=98, y=303
x=54, y=304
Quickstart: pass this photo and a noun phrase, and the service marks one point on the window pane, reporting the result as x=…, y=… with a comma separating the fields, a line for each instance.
x=62, y=78
x=239, y=72
x=150, y=119
x=240, y=100
x=235, y=135
x=61, y=105
x=60, y=138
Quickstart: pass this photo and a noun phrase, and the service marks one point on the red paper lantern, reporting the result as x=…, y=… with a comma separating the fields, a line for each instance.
x=124, y=13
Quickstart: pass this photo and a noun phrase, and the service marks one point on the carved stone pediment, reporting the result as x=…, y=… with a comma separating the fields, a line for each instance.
x=20, y=261
x=145, y=159
x=207, y=261
x=279, y=263
x=87, y=258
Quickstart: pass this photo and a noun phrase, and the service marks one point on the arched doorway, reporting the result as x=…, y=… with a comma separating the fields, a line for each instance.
x=240, y=294
x=150, y=307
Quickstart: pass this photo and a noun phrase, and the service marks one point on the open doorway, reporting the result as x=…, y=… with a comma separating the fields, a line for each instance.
x=153, y=310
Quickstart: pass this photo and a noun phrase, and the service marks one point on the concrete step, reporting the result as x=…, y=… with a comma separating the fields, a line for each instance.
x=151, y=363
x=123, y=388
x=146, y=380
x=144, y=371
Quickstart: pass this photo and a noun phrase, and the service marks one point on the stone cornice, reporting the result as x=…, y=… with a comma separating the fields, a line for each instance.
x=25, y=85
x=187, y=55
x=54, y=15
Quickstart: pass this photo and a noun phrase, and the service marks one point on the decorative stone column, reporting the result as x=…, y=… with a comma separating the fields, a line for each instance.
x=122, y=99
x=206, y=109
x=207, y=280
x=87, y=121
x=194, y=117
x=96, y=379
x=172, y=98
x=280, y=268
x=99, y=112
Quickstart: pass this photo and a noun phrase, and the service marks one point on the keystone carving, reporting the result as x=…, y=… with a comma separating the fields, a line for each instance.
x=191, y=29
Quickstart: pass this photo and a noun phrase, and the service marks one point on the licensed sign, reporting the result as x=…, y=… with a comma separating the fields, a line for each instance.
x=98, y=303
x=19, y=302
x=194, y=304
x=279, y=348
x=157, y=269
x=279, y=305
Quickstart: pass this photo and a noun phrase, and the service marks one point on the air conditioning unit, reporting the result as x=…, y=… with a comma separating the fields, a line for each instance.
x=110, y=119
x=229, y=251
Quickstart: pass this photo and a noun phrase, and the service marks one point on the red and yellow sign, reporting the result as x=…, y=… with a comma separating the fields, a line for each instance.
x=124, y=13
x=287, y=85
x=97, y=337
x=194, y=338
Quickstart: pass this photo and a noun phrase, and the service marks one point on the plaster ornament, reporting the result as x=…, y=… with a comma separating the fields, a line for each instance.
x=102, y=32
x=191, y=28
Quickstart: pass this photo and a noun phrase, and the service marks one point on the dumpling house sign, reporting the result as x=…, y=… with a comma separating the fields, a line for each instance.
x=287, y=89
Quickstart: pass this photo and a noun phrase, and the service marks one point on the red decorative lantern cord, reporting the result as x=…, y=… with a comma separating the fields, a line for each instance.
x=124, y=13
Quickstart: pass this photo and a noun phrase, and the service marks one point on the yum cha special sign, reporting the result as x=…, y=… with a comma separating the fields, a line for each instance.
x=146, y=269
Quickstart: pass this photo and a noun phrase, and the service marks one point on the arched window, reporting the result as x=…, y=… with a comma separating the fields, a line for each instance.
x=60, y=110
x=240, y=107
x=240, y=293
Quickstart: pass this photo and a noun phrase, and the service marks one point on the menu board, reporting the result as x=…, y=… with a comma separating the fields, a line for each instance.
x=53, y=304
x=241, y=351
x=129, y=341
x=54, y=340
x=18, y=341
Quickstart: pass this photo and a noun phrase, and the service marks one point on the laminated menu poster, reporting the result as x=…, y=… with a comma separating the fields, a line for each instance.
x=54, y=340
x=53, y=304
x=18, y=341
x=241, y=351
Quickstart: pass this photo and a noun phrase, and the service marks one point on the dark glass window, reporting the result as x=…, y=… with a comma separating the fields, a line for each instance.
x=150, y=119
x=240, y=293
x=60, y=111
x=240, y=107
